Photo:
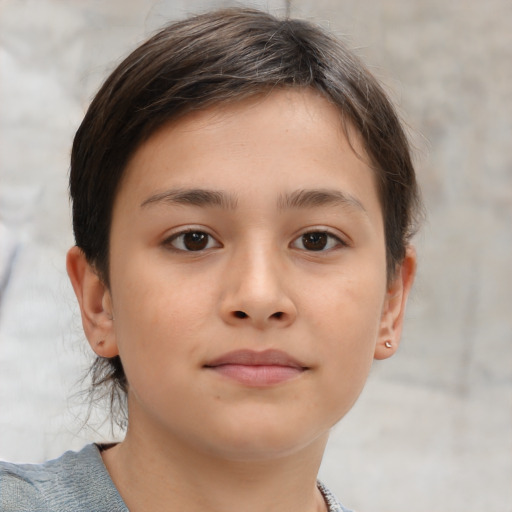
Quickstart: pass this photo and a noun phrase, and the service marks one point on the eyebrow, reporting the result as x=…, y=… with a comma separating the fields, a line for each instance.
x=299, y=199
x=311, y=198
x=194, y=197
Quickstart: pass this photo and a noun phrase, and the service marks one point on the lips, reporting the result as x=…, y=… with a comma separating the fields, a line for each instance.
x=257, y=369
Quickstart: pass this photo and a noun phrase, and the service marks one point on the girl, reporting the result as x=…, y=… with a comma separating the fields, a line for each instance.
x=243, y=202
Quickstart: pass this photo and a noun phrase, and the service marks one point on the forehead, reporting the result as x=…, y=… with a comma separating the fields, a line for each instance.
x=294, y=132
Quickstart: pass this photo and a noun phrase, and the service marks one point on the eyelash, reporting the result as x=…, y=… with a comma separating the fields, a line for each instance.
x=169, y=242
x=332, y=241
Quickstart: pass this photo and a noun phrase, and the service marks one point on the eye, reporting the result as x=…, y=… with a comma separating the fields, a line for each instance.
x=192, y=240
x=317, y=241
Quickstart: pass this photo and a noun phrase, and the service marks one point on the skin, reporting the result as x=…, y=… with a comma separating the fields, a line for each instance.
x=257, y=285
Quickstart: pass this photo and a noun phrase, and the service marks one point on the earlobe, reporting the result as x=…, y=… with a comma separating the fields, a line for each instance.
x=95, y=304
x=394, y=307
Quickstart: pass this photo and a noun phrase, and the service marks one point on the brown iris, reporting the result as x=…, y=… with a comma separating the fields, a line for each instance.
x=314, y=241
x=195, y=240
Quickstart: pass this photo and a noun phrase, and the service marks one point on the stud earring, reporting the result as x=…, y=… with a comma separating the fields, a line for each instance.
x=388, y=344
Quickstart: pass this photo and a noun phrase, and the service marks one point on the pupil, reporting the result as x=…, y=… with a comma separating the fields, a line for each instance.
x=314, y=241
x=195, y=241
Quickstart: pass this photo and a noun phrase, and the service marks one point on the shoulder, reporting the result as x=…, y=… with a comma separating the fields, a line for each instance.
x=76, y=481
x=18, y=490
x=332, y=502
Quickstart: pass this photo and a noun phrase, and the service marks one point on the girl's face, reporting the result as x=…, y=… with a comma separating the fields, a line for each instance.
x=248, y=289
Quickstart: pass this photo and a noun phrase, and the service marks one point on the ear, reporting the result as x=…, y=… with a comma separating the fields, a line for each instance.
x=394, y=307
x=95, y=304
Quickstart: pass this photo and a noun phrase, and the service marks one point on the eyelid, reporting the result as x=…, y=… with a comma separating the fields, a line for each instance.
x=167, y=242
x=342, y=240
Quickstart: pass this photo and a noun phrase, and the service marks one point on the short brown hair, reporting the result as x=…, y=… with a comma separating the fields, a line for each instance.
x=218, y=57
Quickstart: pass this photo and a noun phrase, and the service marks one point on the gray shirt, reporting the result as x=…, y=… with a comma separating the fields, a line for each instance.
x=75, y=482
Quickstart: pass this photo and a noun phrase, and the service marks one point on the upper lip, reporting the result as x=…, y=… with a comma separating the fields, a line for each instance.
x=269, y=357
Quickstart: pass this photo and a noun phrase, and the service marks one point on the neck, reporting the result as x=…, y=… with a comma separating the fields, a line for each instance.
x=155, y=474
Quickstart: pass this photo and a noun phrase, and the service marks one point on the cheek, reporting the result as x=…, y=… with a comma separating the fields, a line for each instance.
x=348, y=356
x=347, y=318
x=156, y=317
x=156, y=293
x=349, y=305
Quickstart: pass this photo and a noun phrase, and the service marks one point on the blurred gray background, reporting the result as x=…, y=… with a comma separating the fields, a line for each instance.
x=433, y=429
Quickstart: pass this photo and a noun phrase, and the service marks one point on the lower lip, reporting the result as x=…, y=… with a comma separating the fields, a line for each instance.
x=258, y=376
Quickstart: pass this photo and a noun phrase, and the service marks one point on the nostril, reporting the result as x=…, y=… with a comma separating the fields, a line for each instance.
x=240, y=314
x=278, y=315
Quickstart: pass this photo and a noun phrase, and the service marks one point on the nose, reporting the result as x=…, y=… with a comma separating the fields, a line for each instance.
x=257, y=291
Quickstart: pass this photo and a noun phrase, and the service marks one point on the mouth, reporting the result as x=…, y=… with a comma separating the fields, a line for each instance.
x=257, y=369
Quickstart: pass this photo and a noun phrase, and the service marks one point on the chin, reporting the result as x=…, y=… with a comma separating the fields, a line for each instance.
x=262, y=442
